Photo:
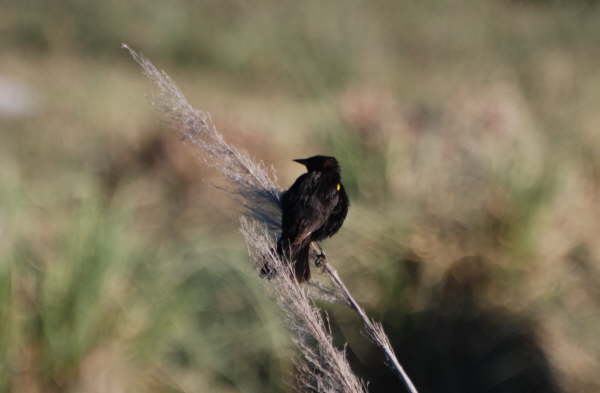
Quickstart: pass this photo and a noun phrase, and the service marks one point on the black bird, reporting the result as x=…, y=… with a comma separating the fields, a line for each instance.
x=314, y=208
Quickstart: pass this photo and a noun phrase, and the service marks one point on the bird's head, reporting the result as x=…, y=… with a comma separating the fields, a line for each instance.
x=319, y=163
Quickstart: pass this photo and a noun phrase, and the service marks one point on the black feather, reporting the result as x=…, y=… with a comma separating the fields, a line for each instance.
x=314, y=208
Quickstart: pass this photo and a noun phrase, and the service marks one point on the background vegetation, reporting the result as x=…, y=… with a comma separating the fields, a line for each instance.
x=468, y=134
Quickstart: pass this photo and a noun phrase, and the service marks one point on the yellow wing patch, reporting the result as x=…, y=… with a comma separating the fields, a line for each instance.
x=338, y=187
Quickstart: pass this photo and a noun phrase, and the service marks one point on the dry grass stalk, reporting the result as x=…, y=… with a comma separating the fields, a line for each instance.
x=374, y=329
x=321, y=366
x=250, y=182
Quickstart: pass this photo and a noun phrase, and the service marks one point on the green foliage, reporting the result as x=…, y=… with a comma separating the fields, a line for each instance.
x=98, y=287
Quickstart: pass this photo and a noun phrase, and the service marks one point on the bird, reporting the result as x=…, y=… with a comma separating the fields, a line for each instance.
x=313, y=209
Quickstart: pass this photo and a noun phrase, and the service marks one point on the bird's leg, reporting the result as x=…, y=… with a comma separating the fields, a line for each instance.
x=321, y=257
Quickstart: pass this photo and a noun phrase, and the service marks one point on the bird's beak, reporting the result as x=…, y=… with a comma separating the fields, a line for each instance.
x=302, y=161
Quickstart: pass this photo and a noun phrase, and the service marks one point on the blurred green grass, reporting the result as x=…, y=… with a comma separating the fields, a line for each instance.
x=464, y=128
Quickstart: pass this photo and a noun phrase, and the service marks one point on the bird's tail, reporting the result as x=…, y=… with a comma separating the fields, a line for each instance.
x=301, y=265
x=298, y=256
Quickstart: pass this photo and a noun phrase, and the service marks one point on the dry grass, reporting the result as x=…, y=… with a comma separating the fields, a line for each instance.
x=464, y=130
x=321, y=367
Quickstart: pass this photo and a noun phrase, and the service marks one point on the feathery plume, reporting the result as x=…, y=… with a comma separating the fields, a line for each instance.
x=321, y=366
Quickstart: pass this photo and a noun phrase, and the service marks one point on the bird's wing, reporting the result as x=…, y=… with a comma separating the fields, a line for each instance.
x=303, y=212
x=338, y=214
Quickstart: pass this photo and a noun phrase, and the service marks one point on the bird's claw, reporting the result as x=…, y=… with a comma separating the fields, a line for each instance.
x=320, y=260
x=320, y=256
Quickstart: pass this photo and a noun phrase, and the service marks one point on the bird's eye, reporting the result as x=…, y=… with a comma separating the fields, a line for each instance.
x=338, y=187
